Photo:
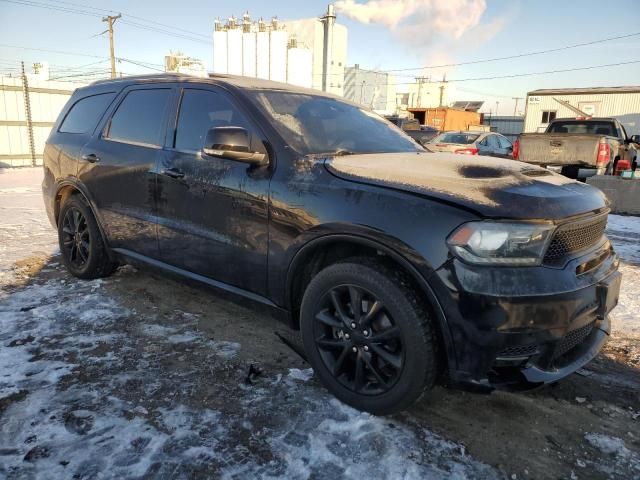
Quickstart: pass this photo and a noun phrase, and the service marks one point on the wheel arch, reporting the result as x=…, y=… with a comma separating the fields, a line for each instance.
x=68, y=188
x=312, y=256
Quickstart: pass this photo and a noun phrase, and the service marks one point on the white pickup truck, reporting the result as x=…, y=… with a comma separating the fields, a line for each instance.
x=579, y=147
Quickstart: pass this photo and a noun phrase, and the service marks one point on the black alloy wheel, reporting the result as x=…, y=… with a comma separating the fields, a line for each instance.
x=83, y=249
x=358, y=340
x=368, y=335
x=76, y=240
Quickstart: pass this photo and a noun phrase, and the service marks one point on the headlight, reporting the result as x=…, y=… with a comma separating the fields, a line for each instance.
x=501, y=243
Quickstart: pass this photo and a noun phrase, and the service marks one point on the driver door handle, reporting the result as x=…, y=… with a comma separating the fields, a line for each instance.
x=91, y=158
x=173, y=173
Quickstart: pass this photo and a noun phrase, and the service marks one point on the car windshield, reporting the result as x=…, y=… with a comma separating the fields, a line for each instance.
x=456, y=137
x=584, y=127
x=313, y=124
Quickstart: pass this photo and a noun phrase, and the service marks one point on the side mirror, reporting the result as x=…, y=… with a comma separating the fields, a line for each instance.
x=635, y=139
x=232, y=143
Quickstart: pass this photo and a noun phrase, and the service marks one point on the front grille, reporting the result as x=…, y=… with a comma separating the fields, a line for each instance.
x=574, y=237
x=519, y=351
x=572, y=339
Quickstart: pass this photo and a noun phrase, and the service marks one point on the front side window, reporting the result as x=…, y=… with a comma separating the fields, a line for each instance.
x=85, y=113
x=504, y=142
x=140, y=117
x=201, y=110
x=314, y=124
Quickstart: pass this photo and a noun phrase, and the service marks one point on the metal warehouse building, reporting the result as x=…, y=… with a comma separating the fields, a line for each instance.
x=622, y=103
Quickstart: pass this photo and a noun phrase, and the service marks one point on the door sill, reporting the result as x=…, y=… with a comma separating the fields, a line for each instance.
x=245, y=294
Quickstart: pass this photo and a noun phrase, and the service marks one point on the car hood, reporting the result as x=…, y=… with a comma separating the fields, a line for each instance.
x=490, y=186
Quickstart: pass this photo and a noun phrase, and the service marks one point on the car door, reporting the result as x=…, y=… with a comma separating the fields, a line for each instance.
x=213, y=212
x=483, y=145
x=505, y=147
x=118, y=167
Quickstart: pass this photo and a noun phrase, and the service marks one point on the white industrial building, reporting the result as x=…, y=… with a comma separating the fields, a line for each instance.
x=622, y=103
x=309, y=53
x=371, y=88
x=178, y=62
x=327, y=41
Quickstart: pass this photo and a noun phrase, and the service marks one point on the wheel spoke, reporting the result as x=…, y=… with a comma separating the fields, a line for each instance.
x=76, y=220
x=392, y=359
x=82, y=254
x=374, y=309
x=68, y=241
x=325, y=317
x=331, y=343
x=359, y=375
x=335, y=300
x=337, y=367
x=355, y=296
x=374, y=370
x=388, y=334
x=66, y=228
x=74, y=251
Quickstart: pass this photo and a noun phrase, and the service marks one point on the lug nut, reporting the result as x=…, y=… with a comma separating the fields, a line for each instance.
x=365, y=333
x=346, y=335
x=354, y=349
x=353, y=325
x=366, y=349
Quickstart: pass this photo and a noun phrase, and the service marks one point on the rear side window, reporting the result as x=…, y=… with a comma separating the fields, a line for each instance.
x=85, y=113
x=140, y=117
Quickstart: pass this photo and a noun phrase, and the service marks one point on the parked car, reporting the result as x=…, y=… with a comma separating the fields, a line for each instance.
x=398, y=266
x=472, y=143
x=420, y=133
x=579, y=147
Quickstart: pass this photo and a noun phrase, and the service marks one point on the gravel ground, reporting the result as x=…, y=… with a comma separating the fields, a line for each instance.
x=143, y=376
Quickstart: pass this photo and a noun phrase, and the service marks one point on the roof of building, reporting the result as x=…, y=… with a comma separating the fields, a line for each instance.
x=584, y=91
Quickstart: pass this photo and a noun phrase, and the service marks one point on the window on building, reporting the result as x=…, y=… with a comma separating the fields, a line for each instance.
x=140, y=117
x=200, y=111
x=548, y=116
x=85, y=113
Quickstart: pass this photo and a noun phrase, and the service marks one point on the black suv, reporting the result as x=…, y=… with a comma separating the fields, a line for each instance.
x=399, y=267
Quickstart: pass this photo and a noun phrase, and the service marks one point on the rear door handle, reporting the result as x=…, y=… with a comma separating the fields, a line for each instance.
x=173, y=173
x=91, y=158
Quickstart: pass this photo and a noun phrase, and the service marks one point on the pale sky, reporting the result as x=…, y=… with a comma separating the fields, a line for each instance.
x=454, y=31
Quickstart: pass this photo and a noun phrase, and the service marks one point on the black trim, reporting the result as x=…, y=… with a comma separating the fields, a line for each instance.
x=194, y=276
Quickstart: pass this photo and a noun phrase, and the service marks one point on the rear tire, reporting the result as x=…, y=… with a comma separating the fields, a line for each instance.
x=379, y=357
x=81, y=245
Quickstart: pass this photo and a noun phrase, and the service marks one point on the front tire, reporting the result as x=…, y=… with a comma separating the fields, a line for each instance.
x=368, y=336
x=83, y=250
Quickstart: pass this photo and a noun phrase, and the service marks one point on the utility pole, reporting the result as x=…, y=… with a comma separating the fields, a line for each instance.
x=497, y=103
x=444, y=82
x=27, y=112
x=111, y=19
x=515, y=107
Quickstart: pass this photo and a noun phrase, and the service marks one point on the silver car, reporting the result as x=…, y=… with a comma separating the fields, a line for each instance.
x=472, y=143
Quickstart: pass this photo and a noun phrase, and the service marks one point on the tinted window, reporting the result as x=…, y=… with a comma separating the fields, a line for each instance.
x=140, y=117
x=548, y=116
x=583, y=127
x=314, y=124
x=201, y=110
x=456, y=137
x=85, y=113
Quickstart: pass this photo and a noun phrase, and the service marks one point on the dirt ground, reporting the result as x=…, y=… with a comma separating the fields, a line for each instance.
x=144, y=376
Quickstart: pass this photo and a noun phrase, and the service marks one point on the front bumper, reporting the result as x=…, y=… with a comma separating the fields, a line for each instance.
x=518, y=328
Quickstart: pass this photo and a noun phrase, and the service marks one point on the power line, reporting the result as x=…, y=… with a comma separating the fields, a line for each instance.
x=192, y=36
x=520, y=55
x=76, y=54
